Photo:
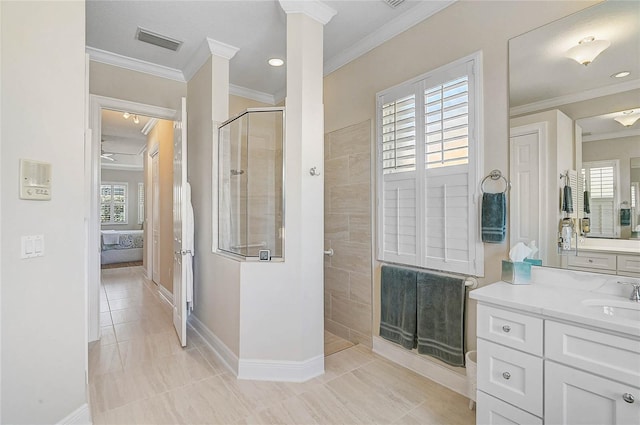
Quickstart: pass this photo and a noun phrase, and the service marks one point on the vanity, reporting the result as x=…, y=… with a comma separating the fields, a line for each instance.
x=563, y=350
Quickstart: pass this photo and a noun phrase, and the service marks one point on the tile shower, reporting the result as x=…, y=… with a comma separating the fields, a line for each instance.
x=250, y=183
x=347, y=279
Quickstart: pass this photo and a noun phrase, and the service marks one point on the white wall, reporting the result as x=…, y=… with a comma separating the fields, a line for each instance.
x=43, y=320
x=121, y=83
x=132, y=178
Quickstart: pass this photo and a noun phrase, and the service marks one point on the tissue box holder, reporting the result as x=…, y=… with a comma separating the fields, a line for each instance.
x=533, y=261
x=517, y=273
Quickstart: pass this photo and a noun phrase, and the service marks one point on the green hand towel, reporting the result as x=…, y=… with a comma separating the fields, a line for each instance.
x=441, y=317
x=398, y=306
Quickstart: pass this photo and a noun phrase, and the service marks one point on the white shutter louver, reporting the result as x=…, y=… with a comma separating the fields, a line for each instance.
x=447, y=123
x=601, y=180
x=399, y=135
x=399, y=230
x=447, y=219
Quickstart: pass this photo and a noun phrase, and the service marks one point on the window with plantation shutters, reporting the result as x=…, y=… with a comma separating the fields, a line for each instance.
x=113, y=203
x=428, y=153
x=601, y=178
x=140, y=203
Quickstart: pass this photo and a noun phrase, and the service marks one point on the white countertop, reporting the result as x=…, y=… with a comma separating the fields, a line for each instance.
x=609, y=250
x=559, y=294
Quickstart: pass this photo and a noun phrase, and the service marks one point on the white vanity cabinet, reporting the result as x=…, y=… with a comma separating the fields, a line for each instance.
x=605, y=262
x=533, y=369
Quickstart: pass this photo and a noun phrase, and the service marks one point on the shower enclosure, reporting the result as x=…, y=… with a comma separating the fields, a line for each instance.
x=250, y=184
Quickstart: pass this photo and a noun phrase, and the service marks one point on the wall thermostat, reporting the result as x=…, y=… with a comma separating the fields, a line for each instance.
x=264, y=255
x=35, y=180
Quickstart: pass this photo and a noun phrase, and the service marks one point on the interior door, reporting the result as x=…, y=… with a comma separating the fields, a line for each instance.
x=179, y=224
x=525, y=200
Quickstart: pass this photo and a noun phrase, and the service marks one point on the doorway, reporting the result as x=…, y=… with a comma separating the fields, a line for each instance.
x=94, y=152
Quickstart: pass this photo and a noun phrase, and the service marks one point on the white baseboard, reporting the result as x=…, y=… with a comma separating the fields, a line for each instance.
x=259, y=370
x=285, y=371
x=164, y=293
x=80, y=416
x=422, y=365
x=225, y=354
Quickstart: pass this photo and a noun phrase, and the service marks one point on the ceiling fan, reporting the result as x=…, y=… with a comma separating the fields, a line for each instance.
x=105, y=155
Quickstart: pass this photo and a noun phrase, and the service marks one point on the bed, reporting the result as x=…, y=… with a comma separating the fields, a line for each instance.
x=121, y=246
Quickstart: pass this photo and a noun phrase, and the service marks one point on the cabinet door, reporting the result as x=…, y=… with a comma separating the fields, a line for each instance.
x=575, y=397
x=491, y=411
x=510, y=375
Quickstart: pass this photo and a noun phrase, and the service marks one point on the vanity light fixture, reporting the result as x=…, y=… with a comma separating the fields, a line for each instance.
x=276, y=62
x=126, y=115
x=587, y=50
x=621, y=74
x=136, y=120
x=628, y=118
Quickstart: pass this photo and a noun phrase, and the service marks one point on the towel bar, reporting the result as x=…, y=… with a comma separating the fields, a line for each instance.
x=471, y=282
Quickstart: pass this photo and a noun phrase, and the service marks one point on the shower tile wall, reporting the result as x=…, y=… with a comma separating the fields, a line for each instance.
x=347, y=279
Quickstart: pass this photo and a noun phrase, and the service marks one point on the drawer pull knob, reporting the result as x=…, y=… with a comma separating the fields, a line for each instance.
x=506, y=328
x=590, y=260
x=507, y=375
x=628, y=398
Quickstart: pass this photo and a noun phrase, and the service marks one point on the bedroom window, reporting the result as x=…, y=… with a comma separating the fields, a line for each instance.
x=429, y=149
x=140, y=203
x=113, y=203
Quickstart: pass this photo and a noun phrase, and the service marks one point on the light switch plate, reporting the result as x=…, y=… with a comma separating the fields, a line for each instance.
x=32, y=246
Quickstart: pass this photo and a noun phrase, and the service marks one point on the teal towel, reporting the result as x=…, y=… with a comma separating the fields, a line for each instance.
x=494, y=217
x=625, y=217
x=567, y=200
x=441, y=302
x=398, y=306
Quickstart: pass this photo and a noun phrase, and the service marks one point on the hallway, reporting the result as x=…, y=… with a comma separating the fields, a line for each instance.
x=138, y=374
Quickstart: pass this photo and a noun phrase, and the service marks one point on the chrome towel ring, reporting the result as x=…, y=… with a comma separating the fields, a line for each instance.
x=496, y=175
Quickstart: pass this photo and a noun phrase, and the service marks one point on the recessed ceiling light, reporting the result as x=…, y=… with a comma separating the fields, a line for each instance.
x=621, y=74
x=276, y=62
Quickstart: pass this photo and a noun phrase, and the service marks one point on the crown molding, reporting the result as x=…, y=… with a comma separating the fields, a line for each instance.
x=280, y=96
x=221, y=49
x=403, y=22
x=207, y=48
x=252, y=94
x=610, y=136
x=132, y=64
x=575, y=97
x=315, y=9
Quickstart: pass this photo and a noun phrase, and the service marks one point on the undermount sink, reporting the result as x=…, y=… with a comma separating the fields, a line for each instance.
x=623, y=309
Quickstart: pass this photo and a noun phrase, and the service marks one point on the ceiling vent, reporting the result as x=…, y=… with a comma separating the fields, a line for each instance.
x=393, y=3
x=157, y=39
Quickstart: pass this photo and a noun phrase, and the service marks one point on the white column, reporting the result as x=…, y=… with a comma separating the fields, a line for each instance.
x=304, y=147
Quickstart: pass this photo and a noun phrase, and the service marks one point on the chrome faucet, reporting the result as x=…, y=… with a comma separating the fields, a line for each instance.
x=635, y=292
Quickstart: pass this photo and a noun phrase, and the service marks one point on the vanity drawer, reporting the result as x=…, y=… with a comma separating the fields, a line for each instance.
x=515, y=330
x=510, y=375
x=490, y=411
x=612, y=356
x=593, y=261
x=629, y=263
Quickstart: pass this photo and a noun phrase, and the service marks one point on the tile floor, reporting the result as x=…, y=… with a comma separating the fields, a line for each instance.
x=138, y=374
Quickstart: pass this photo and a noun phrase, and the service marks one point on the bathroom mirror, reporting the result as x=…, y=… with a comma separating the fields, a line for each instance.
x=565, y=121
